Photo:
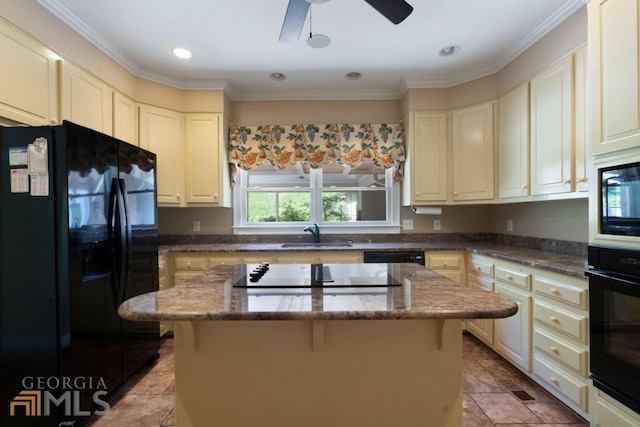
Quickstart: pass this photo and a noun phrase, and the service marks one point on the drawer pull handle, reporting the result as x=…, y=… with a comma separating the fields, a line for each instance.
x=446, y=264
x=554, y=319
x=509, y=277
x=554, y=291
x=554, y=380
x=188, y=265
x=478, y=268
x=554, y=350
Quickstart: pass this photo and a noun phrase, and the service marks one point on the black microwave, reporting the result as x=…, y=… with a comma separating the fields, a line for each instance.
x=620, y=200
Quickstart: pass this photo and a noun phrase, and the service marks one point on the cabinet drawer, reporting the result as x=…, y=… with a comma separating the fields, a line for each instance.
x=178, y=278
x=609, y=414
x=189, y=263
x=221, y=260
x=564, y=292
x=454, y=275
x=575, y=389
x=554, y=347
x=514, y=277
x=480, y=267
x=444, y=262
x=571, y=324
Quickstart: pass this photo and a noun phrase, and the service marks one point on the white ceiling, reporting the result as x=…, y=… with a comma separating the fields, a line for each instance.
x=235, y=43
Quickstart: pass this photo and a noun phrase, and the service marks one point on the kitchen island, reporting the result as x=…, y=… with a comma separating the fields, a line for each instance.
x=323, y=354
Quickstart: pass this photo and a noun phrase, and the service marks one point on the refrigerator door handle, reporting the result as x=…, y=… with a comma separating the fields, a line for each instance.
x=117, y=238
x=127, y=242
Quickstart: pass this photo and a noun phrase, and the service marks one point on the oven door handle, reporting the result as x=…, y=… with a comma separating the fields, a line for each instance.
x=608, y=276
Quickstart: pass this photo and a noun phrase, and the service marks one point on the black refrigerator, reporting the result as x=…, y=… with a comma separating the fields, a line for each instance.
x=78, y=235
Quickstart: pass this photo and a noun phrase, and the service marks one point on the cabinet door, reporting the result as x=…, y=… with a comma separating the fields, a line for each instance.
x=427, y=158
x=481, y=328
x=28, y=79
x=512, y=337
x=202, y=159
x=473, y=153
x=551, y=129
x=161, y=133
x=85, y=99
x=614, y=64
x=125, y=118
x=513, y=143
x=582, y=152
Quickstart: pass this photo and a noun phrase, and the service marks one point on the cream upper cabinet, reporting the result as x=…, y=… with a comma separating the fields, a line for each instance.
x=29, y=81
x=582, y=151
x=205, y=167
x=552, y=129
x=473, y=153
x=85, y=99
x=614, y=74
x=426, y=174
x=125, y=118
x=513, y=143
x=161, y=133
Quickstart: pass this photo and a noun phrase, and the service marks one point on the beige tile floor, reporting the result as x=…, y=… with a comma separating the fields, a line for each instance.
x=491, y=389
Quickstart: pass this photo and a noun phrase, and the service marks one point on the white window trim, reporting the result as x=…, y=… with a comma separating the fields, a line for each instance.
x=391, y=226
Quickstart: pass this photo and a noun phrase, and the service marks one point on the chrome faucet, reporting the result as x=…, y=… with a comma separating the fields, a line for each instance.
x=315, y=231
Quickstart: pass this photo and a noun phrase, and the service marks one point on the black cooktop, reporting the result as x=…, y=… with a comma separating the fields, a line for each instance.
x=310, y=275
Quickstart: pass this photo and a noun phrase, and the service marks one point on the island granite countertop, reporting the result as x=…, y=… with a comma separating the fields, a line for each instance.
x=570, y=265
x=422, y=294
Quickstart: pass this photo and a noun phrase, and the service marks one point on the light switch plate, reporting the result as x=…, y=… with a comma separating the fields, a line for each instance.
x=196, y=225
x=509, y=225
x=407, y=224
x=436, y=224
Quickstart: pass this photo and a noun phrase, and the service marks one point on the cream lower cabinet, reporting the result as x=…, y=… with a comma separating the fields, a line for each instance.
x=426, y=168
x=610, y=413
x=448, y=263
x=474, y=155
x=480, y=276
x=512, y=335
x=28, y=79
x=85, y=99
x=161, y=133
x=561, y=338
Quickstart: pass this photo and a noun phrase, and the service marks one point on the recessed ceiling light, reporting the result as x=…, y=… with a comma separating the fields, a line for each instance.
x=318, y=40
x=278, y=77
x=450, y=50
x=353, y=75
x=317, y=1
x=181, y=53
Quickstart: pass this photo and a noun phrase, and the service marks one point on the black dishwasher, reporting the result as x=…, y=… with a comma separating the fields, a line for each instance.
x=394, y=256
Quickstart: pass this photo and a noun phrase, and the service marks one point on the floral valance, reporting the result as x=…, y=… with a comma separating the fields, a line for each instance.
x=316, y=145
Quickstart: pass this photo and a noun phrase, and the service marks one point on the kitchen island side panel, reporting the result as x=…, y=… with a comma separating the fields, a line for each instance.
x=319, y=373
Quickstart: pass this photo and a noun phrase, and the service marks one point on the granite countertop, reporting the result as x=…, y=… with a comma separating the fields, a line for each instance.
x=571, y=265
x=422, y=294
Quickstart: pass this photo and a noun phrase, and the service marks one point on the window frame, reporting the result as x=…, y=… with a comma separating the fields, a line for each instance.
x=240, y=207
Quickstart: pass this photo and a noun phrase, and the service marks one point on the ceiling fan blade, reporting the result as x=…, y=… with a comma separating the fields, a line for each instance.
x=294, y=20
x=395, y=11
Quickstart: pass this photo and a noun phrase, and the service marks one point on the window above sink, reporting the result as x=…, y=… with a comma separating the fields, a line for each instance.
x=340, y=199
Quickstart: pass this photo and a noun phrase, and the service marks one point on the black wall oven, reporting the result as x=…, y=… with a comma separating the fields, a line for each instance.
x=614, y=311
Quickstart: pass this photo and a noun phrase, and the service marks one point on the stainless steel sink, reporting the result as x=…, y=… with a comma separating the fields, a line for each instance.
x=317, y=245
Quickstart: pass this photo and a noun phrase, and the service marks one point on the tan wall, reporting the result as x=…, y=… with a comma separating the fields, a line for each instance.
x=562, y=219
x=254, y=113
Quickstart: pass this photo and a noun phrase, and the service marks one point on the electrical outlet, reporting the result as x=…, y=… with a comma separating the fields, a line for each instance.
x=509, y=225
x=407, y=224
x=196, y=225
x=436, y=224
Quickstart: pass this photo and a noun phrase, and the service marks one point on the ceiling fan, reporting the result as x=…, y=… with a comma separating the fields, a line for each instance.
x=395, y=11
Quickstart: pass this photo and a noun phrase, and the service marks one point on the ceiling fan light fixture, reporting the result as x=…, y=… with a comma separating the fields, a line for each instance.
x=450, y=50
x=278, y=76
x=353, y=75
x=318, y=40
x=181, y=53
